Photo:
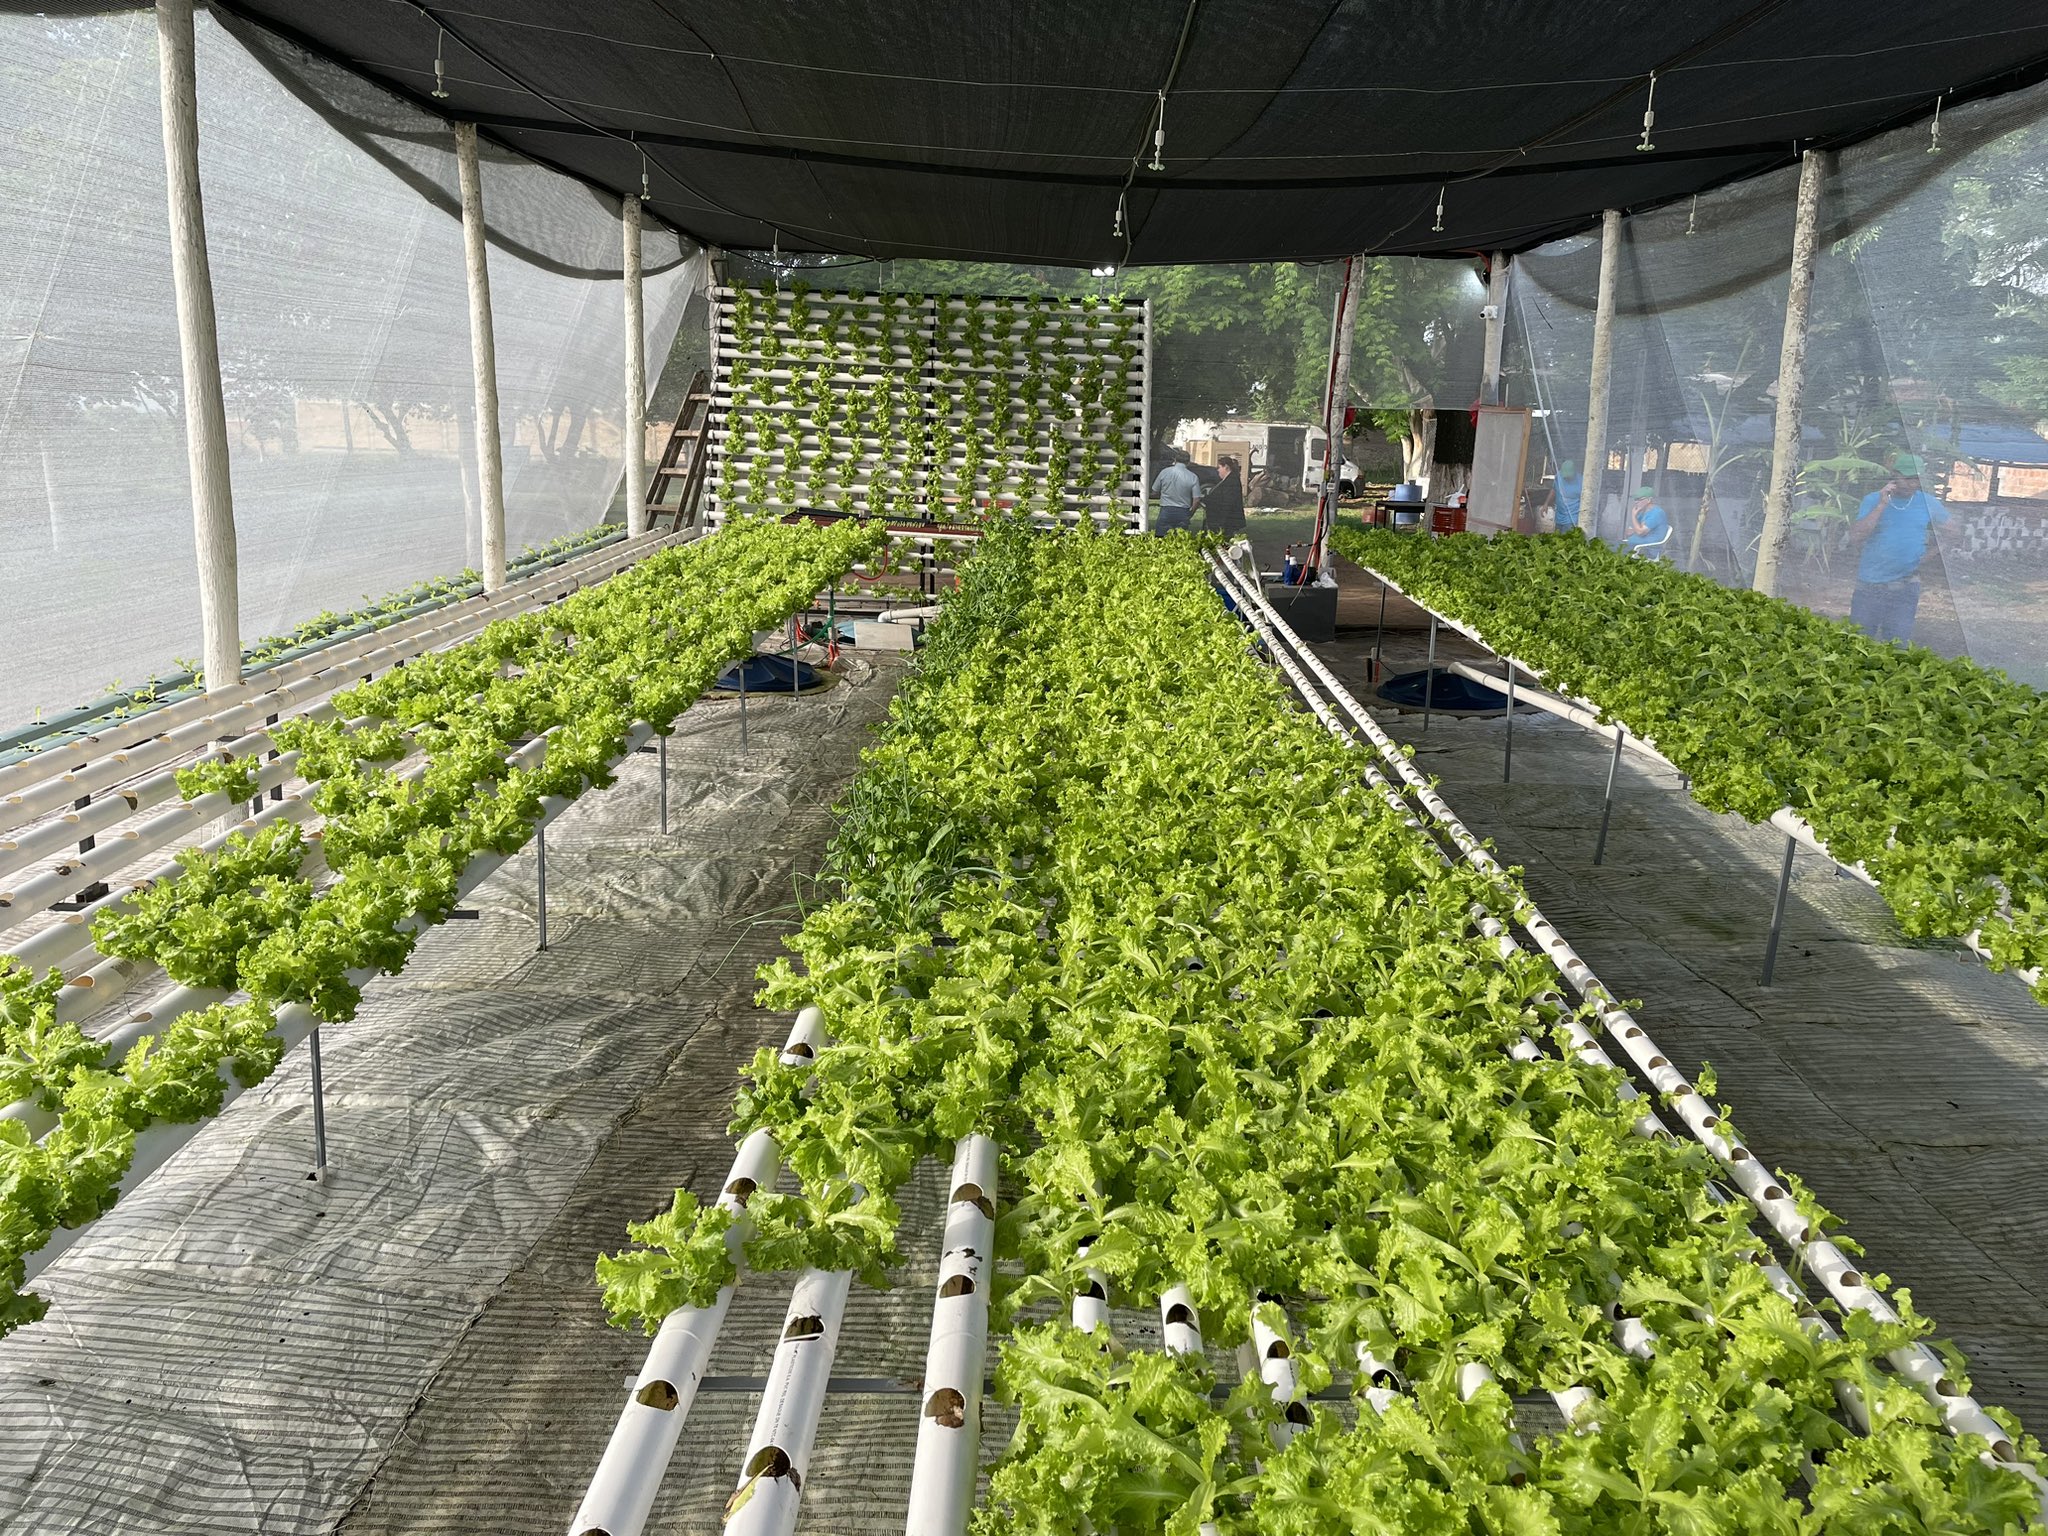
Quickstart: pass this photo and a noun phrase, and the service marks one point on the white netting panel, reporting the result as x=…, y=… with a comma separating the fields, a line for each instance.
x=344, y=334
x=1928, y=335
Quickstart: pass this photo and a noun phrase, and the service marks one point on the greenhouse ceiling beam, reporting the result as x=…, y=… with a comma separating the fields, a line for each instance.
x=206, y=418
x=1770, y=156
x=483, y=353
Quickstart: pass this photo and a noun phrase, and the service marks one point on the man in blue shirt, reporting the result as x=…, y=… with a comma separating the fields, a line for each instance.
x=1178, y=488
x=1649, y=526
x=1564, y=496
x=1892, y=528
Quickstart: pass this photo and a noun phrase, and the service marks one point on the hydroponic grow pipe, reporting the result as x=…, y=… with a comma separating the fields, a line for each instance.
x=1960, y=1412
x=71, y=935
x=155, y=1144
x=45, y=888
x=778, y=1462
x=18, y=744
x=628, y=1476
x=60, y=833
x=564, y=577
x=949, y=1429
x=52, y=781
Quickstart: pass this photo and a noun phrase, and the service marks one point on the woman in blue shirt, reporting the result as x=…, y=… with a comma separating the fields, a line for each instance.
x=1892, y=528
x=1649, y=525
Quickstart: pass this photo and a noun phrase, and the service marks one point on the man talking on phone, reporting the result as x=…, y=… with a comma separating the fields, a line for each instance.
x=1893, y=528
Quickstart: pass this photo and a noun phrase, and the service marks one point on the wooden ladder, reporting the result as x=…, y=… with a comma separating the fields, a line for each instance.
x=683, y=461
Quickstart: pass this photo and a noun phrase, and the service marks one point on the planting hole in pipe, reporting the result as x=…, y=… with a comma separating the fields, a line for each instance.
x=1656, y=1062
x=971, y=1194
x=1946, y=1388
x=2003, y=1450
x=741, y=1190
x=801, y=1048
x=1278, y=1350
x=804, y=1328
x=957, y=1285
x=1633, y=1032
x=1851, y=1278
x=1093, y=1290
x=1180, y=1312
x=946, y=1408
x=1739, y=1154
x=773, y=1461
x=658, y=1394
x=1772, y=1192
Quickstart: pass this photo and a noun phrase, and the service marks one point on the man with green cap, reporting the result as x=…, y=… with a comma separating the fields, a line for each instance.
x=1892, y=529
x=1649, y=525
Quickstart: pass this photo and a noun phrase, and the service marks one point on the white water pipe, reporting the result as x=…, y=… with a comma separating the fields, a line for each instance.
x=294, y=1021
x=949, y=1427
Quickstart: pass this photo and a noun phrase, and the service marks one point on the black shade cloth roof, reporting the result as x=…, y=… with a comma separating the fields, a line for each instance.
x=1295, y=129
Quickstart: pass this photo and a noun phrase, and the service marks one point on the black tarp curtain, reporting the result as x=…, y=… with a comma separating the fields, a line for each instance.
x=1010, y=130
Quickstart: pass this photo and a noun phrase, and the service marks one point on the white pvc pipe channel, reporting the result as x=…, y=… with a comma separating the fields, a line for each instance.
x=949, y=1428
x=51, y=781
x=629, y=1474
x=778, y=1462
x=154, y=1145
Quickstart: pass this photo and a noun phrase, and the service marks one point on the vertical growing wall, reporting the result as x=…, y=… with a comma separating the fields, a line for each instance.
x=928, y=408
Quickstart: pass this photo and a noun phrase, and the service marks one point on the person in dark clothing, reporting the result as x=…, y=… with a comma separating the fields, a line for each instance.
x=1223, y=506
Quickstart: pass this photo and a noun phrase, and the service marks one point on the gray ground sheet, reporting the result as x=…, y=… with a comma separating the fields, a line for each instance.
x=416, y=1343
x=1903, y=1081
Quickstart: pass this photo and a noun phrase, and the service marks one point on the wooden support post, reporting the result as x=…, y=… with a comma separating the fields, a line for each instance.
x=483, y=352
x=1593, y=472
x=636, y=373
x=1336, y=398
x=1496, y=327
x=1770, y=553
x=206, y=419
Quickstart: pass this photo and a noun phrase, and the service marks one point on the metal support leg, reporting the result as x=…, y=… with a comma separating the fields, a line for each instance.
x=1778, y=912
x=661, y=769
x=540, y=844
x=1607, y=805
x=1379, y=641
x=1429, y=678
x=319, y=1173
x=1507, y=753
x=743, y=702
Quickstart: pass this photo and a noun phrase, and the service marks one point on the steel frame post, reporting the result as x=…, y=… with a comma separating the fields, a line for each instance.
x=1607, y=804
x=1778, y=912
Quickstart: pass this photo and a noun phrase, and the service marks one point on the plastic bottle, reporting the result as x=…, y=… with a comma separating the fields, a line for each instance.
x=1287, y=568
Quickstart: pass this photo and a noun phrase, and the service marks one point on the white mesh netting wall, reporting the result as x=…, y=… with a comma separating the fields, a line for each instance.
x=344, y=335
x=1928, y=335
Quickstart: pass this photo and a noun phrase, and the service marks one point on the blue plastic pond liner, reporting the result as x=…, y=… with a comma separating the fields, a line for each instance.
x=771, y=674
x=1450, y=695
